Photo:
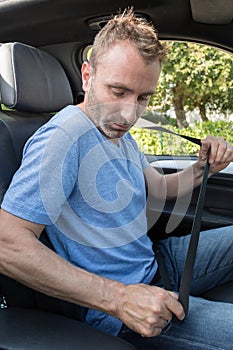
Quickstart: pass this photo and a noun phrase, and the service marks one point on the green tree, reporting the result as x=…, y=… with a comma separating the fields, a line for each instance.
x=195, y=76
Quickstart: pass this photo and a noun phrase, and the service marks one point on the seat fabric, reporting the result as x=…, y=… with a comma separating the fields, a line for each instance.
x=32, y=80
x=36, y=330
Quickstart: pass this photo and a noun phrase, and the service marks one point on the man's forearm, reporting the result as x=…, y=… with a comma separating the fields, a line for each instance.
x=27, y=260
x=180, y=183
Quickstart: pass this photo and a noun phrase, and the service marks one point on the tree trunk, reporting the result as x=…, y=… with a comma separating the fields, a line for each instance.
x=202, y=111
x=178, y=104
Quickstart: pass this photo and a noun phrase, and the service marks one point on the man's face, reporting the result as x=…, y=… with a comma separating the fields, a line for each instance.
x=119, y=89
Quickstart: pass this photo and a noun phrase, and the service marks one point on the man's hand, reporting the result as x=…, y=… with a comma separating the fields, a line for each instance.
x=147, y=309
x=218, y=151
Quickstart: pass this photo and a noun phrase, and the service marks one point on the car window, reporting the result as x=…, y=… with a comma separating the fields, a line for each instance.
x=194, y=97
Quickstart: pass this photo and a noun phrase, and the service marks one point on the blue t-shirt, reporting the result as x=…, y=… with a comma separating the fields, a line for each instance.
x=90, y=194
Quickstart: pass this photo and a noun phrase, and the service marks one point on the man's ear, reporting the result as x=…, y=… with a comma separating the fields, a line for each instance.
x=86, y=71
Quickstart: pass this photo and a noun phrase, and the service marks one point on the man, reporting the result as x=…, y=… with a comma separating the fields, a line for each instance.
x=83, y=178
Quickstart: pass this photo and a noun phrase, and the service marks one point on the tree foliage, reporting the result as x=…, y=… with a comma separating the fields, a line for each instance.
x=195, y=76
x=160, y=143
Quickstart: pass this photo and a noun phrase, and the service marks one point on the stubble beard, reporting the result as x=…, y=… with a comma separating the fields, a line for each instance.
x=97, y=113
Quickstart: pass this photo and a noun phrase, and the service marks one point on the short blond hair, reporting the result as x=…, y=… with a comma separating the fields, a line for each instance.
x=127, y=26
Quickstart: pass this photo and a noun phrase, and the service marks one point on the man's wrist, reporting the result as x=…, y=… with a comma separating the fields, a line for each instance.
x=198, y=172
x=113, y=294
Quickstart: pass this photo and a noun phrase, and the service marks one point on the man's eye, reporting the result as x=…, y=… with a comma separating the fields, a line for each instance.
x=143, y=98
x=118, y=93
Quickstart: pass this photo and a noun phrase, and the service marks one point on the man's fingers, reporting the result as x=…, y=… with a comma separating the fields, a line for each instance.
x=221, y=151
x=204, y=152
x=225, y=151
x=155, y=324
x=175, y=306
x=147, y=309
x=152, y=329
x=173, y=294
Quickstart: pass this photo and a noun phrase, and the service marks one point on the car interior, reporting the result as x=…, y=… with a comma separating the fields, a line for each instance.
x=43, y=44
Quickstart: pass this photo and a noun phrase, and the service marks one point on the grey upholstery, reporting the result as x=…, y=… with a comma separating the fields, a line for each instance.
x=23, y=329
x=32, y=80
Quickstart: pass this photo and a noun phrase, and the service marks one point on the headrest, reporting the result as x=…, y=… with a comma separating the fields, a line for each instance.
x=32, y=80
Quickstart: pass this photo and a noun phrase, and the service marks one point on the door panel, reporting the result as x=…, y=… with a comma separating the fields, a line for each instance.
x=177, y=216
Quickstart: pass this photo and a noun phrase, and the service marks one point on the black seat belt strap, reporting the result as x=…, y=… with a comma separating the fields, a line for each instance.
x=186, y=277
x=189, y=138
x=193, y=243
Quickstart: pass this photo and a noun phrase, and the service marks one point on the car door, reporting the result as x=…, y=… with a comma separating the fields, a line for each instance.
x=176, y=216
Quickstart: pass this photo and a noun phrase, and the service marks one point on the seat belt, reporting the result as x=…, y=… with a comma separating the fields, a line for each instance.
x=185, y=282
x=186, y=277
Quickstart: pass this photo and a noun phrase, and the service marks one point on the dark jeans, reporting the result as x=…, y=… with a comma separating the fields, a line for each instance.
x=209, y=324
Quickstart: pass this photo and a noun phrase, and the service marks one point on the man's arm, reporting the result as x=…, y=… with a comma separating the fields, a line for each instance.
x=145, y=309
x=171, y=186
x=25, y=258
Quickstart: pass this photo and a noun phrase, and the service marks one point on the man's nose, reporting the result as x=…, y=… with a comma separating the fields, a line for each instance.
x=129, y=112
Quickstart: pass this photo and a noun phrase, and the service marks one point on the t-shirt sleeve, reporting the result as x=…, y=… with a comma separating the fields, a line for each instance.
x=39, y=188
